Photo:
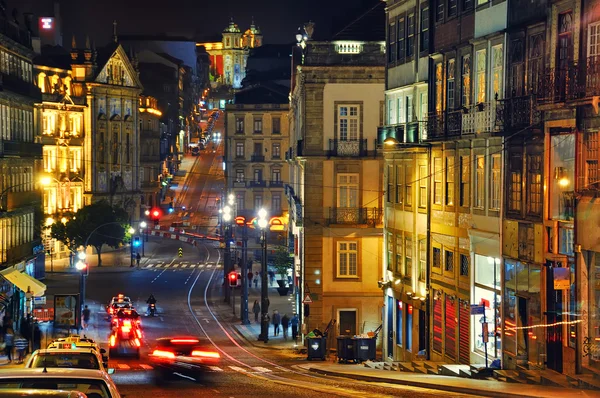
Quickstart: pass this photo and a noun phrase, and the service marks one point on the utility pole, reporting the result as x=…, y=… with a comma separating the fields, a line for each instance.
x=245, y=280
x=227, y=261
x=264, y=292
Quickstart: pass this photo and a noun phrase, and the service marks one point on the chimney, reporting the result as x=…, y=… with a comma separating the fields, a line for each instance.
x=87, y=53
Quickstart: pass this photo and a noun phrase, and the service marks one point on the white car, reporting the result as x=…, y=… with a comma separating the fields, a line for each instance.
x=93, y=383
x=80, y=358
x=72, y=342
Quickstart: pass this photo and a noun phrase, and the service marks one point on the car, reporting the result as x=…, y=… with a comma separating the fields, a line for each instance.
x=195, y=151
x=120, y=298
x=183, y=355
x=82, y=358
x=33, y=393
x=115, y=307
x=125, y=339
x=72, y=342
x=126, y=314
x=93, y=383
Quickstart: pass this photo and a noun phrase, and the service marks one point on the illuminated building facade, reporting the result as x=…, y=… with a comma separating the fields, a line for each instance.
x=150, y=145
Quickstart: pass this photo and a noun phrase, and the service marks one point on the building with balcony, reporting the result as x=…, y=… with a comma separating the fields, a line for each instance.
x=335, y=184
x=257, y=136
x=152, y=168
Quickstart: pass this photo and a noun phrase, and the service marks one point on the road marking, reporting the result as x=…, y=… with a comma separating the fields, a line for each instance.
x=158, y=265
x=193, y=265
x=208, y=265
x=200, y=265
x=215, y=368
x=261, y=369
x=176, y=265
x=149, y=265
x=238, y=369
x=147, y=367
x=184, y=265
x=123, y=366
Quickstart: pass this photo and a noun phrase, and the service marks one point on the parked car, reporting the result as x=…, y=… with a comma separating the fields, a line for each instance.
x=33, y=393
x=82, y=358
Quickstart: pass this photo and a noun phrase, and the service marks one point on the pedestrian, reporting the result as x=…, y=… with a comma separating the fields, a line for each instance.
x=294, y=322
x=271, y=277
x=256, y=278
x=9, y=342
x=37, y=337
x=250, y=275
x=256, y=310
x=276, y=322
x=86, y=317
x=25, y=329
x=21, y=345
x=137, y=259
x=285, y=324
x=6, y=322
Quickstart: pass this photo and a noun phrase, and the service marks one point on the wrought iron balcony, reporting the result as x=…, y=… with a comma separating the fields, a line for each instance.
x=275, y=183
x=354, y=148
x=239, y=184
x=517, y=113
x=371, y=216
x=257, y=158
x=479, y=118
x=257, y=184
x=435, y=126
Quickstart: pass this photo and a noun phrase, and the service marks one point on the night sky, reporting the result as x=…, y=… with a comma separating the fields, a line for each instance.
x=278, y=19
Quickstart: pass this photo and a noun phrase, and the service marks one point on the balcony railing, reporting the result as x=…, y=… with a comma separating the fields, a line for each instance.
x=435, y=126
x=275, y=183
x=354, y=148
x=405, y=132
x=371, y=216
x=517, y=113
x=257, y=158
x=257, y=184
x=295, y=205
x=479, y=118
x=239, y=184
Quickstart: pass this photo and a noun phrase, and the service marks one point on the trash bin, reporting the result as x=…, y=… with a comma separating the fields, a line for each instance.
x=364, y=349
x=317, y=348
x=345, y=349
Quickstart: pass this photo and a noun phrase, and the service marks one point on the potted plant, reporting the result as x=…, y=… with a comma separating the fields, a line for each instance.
x=282, y=262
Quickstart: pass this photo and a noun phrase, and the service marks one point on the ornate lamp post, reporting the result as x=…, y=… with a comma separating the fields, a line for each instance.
x=263, y=224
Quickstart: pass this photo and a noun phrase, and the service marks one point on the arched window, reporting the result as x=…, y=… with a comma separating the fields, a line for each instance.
x=41, y=82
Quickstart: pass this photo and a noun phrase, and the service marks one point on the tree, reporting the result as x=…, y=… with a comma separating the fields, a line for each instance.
x=99, y=224
x=282, y=261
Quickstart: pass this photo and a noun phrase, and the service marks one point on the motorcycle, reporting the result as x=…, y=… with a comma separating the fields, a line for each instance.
x=151, y=309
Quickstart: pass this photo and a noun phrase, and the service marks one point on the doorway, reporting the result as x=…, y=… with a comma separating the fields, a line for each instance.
x=390, y=327
x=348, y=322
x=553, y=317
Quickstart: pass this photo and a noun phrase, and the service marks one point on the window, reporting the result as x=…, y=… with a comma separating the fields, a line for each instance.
x=390, y=183
x=239, y=125
x=422, y=259
x=408, y=185
x=401, y=114
x=410, y=31
x=480, y=82
x=239, y=149
x=276, y=151
x=536, y=62
x=424, y=110
x=347, y=190
x=437, y=181
x=449, y=266
x=438, y=88
x=517, y=71
x=115, y=151
x=347, y=259
x=437, y=257
x=348, y=122
x=240, y=200
x=424, y=29
x=401, y=38
x=392, y=43
x=495, y=183
x=479, y=181
x=465, y=264
x=467, y=4
x=409, y=108
x=592, y=176
x=276, y=126
x=239, y=175
x=399, y=178
x=390, y=251
x=390, y=110
x=439, y=11
x=526, y=241
x=423, y=186
x=449, y=180
x=276, y=202
x=515, y=178
x=258, y=202
x=534, y=176
x=258, y=125
x=497, y=67
x=276, y=175
x=408, y=256
x=465, y=179
x=257, y=175
x=399, y=254
x=258, y=149
x=466, y=81
x=452, y=8
x=450, y=85
x=399, y=327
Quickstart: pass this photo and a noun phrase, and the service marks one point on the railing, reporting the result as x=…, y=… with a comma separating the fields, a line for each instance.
x=517, y=113
x=257, y=184
x=257, y=158
x=239, y=184
x=480, y=118
x=339, y=147
x=435, y=126
x=275, y=183
x=454, y=123
x=372, y=216
x=295, y=205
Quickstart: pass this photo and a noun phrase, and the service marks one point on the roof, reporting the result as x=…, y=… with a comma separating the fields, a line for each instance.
x=369, y=25
x=54, y=373
x=54, y=57
x=171, y=58
x=262, y=93
x=159, y=37
x=272, y=50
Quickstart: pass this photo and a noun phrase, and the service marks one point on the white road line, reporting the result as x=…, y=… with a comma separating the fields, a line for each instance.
x=168, y=265
x=158, y=265
x=149, y=265
x=200, y=265
x=123, y=366
x=208, y=265
x=238, y=369
x=261, y=369
x=193, y=265
x=147, y=367
x=176, y=265
x=184, y=265
x=215, y=368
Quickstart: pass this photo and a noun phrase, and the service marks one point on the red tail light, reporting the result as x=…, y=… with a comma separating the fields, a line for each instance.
x=137, y=342
x=184, y=341
x=206, y=354
x=139, y=333
x=113, y=340
x=127, y=322
x=163, y=354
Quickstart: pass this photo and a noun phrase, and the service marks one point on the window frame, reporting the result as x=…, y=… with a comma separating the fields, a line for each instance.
x=424, y=28
x=257, y=125
x=401, y=38
x=276, y=125
x=450, y=180
x=423, y=177
x=410, y=34
x=481, y=76
x=349, y=118
x=479, y=183
x=240, y=153
x=465, y=181
x=495, y=181
x=348, y=185
x=239, y=125
x=399, y=183
x=437, y=181
x=348, y=251
x=466, y=80
x=451, y=84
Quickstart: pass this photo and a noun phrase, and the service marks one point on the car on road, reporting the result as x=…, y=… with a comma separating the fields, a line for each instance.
x=125, y=339
x=182, y=355
x=130, y=314
x=120, y=298
x=72, y=342
x=93, y=383
x=81, y=358
x=195, y=151
x=33, y=393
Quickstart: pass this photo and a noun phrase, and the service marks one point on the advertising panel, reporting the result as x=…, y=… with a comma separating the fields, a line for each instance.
x=66, y=310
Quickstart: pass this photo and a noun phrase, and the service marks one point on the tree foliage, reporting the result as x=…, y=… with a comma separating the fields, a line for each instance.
x=99, y=223
x=282, y=261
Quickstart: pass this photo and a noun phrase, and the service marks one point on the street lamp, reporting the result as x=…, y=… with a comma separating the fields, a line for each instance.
x=264, y=292
x=131, y=232
x=143, y=229
x=226, y=216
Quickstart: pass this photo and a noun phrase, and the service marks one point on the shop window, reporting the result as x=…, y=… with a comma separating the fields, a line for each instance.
x=437, y=257
x=465, y=264
x=563, y=173
x=399, y=322
x=449, y=261
x=408, y=327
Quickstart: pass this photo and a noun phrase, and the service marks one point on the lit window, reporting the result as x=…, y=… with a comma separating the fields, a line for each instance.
x=347, y=259
x=348, y=121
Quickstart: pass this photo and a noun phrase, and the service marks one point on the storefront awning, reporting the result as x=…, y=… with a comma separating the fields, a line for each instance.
x=24, y=281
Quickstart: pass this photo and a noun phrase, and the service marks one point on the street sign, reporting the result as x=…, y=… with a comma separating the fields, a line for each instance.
x=307, y=299
x=39, y=300
x=477, y=309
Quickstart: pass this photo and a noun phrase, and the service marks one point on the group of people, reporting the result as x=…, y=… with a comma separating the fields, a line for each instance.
x=277, y=320
x=19, y=340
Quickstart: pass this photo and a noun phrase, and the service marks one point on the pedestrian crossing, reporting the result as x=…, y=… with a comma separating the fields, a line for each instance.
x=125, y=367
x=182, y=265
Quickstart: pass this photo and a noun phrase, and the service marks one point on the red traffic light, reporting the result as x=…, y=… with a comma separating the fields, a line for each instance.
x=240, y=220
x=156, y=213
x=233, y=279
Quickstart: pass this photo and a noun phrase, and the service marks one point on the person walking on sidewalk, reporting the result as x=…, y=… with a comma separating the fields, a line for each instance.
x=21, y=344
x=276, y=322
x=250, y=275
x=9, y=342
x=256, y=278
x=294, y=322
x=256, y=310
x=285, y=324
x=86, y=317
x=137, y=259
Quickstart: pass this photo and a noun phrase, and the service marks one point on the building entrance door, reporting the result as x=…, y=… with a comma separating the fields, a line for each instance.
x=553, y=317
x=390, y=327
x=348, y=322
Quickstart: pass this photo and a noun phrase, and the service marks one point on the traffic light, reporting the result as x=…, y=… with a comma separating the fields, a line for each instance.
x=155, y=214
x=136, y=241
x=180, y=252
x=171, y=207
x=83, y=267
x=233, y=279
